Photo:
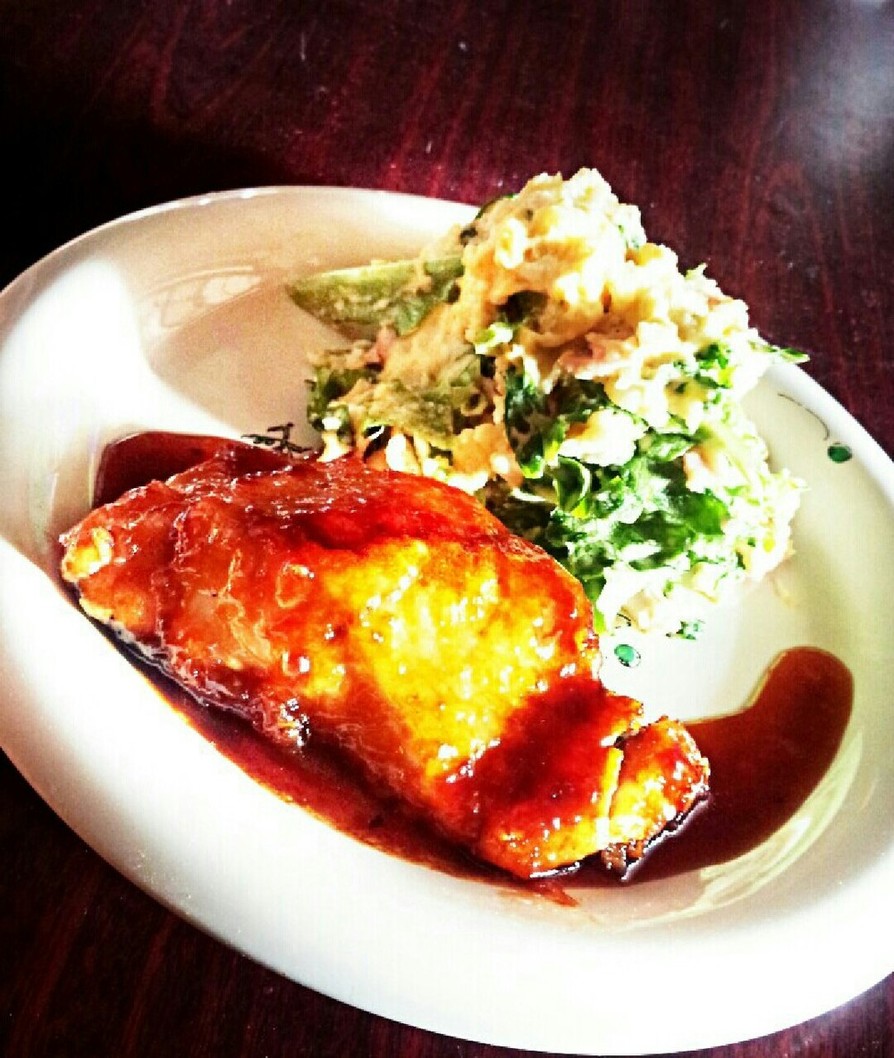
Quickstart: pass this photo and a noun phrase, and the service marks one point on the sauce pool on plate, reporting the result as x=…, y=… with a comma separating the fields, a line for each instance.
x=765, y=761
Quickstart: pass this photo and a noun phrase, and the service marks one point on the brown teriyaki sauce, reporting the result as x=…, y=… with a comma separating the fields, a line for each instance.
x=765, y=759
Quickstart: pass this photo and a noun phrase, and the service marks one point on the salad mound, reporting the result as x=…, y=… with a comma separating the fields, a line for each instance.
x=550, y=359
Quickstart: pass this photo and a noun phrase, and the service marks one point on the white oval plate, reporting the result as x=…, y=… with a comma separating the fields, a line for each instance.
x=176, y=318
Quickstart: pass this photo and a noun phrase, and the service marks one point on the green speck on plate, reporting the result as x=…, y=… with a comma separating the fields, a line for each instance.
x=839, y=453
x=627, y=655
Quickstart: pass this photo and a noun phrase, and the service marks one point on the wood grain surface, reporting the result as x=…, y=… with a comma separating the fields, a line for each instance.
x=758, y=138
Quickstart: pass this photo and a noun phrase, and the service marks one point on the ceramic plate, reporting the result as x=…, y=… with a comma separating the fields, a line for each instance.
x=176, y=318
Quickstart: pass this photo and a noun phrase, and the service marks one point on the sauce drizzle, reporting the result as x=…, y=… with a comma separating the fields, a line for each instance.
x=765, y=762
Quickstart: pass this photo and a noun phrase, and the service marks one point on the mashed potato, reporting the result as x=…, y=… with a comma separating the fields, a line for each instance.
x=550, y=359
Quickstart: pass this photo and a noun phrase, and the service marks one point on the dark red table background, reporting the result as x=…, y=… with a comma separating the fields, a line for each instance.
x=757, y=138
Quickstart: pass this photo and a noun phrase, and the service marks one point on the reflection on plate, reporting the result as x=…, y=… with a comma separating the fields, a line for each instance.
x=176, y=319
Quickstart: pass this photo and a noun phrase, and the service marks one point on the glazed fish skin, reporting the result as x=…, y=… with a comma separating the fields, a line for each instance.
x=390, y=615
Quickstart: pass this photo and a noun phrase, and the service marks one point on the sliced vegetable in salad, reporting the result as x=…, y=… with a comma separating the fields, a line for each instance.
x=552, y=360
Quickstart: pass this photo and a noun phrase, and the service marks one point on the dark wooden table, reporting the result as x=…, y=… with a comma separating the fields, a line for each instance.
x=756, y=138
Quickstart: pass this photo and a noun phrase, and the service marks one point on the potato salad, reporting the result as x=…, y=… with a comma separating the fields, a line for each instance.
x=551, y=360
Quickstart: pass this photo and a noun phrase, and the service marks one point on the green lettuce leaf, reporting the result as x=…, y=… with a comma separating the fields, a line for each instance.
x=358, y=301
x=593, y=517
